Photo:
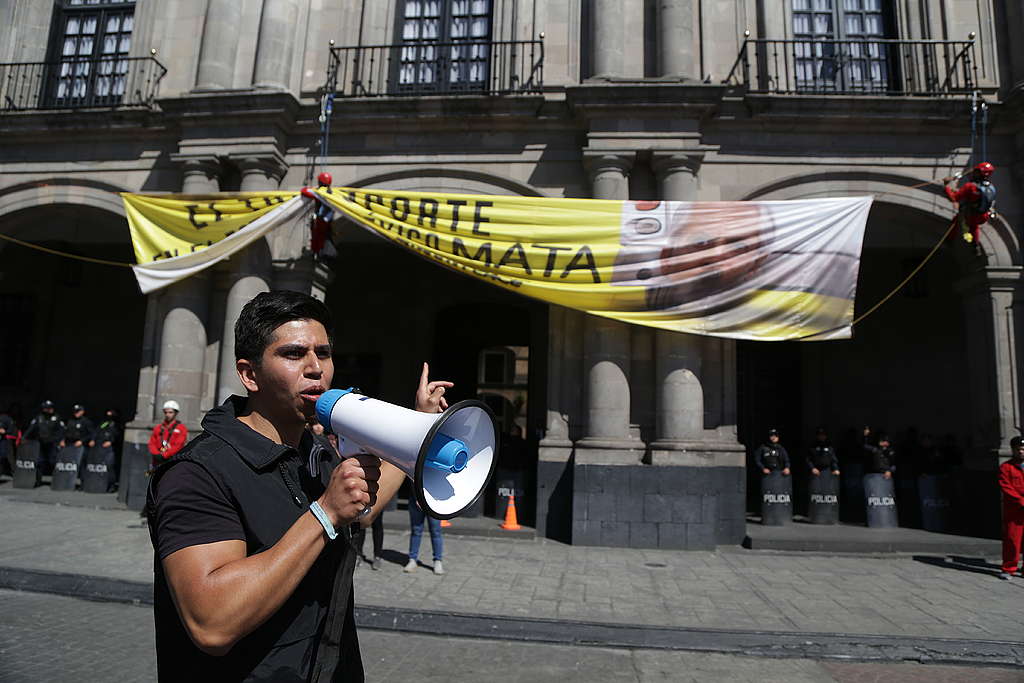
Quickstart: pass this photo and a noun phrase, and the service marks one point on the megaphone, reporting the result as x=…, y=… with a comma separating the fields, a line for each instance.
x=449, y=456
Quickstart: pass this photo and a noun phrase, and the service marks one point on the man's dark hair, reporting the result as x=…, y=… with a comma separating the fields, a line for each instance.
x=254, y=329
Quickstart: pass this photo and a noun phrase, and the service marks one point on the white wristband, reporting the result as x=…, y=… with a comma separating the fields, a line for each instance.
x=321, y=517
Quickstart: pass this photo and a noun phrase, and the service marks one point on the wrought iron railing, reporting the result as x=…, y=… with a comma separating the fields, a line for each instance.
x=923, y=68
x=469, y=67
x=76, y=83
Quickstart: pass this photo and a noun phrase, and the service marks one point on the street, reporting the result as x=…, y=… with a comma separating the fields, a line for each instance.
x=52, y=638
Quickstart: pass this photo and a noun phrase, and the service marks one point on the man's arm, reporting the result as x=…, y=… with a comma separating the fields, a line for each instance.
x=222, y=595
x=176, y=440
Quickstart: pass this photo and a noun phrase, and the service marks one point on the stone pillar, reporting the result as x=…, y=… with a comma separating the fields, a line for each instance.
x=200, y=175
x=219, y=46
x=609, y=39
x=276, y=44
x=183, y=345
x=676, y=39
x=249, y=273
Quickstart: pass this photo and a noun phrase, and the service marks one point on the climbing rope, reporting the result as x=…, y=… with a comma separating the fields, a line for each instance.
x=55, y=252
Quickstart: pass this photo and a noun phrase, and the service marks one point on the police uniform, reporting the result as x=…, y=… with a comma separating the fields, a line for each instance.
x=48, y=430
x=772, y=456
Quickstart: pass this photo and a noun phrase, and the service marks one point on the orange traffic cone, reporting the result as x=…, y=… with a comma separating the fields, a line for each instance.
x=445, y=522
x=511, y=523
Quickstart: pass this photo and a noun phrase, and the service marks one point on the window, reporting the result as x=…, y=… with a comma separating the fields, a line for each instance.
x=833, y=48
x=445, y=46
x=92, y=39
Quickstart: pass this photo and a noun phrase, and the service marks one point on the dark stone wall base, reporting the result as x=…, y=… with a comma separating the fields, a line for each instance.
x=650, y=506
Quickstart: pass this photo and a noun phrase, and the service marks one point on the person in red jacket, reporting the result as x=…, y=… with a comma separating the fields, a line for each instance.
x=1011, y=481
x=169, y=436
x=974, y=200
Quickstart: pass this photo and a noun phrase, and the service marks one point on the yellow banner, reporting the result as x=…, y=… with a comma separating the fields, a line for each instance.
x=745, y=270
x=779, y=270
x=168, y=226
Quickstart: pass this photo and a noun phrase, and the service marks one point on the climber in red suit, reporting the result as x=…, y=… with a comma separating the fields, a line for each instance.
x=974, y=199
x=322, y=215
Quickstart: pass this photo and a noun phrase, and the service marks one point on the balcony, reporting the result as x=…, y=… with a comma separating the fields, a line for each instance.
x=481, y=68
x=105, y=82
x=876, y=67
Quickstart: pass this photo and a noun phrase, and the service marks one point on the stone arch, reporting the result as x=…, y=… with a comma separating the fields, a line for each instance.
x=998, y=239
x=54, y=191
x=431, y=179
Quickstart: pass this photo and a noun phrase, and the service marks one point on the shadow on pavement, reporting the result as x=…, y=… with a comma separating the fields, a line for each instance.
x=975, y=565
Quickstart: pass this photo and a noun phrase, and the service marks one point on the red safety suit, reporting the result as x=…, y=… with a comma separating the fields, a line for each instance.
x=1011, y=481
x=975, y=201
x=167, y=439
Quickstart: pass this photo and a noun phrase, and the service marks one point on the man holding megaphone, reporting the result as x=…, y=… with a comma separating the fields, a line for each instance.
x=250, y=521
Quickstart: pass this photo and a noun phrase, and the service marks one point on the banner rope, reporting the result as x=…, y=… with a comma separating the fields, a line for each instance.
x=895, y=290
x=55, y=252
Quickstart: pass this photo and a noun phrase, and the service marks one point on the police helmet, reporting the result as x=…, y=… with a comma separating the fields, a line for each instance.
x=78, y=406
x=773, y=432
x=46, y=404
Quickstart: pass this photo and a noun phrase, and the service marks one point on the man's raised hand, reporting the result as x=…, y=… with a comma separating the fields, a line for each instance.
x=430, y=395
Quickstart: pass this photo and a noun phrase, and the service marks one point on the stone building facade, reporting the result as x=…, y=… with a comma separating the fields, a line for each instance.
x=624, y=435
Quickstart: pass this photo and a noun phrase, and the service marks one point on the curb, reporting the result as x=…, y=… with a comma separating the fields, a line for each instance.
x=779, y=644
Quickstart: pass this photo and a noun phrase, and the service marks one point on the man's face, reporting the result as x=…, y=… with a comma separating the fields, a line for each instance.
x=1019, y=453
x=774, y=438
x=78, y=414
x=296, y=368
x=48, y=410
x=169, y=414
x=884, y=443
x=822, y=438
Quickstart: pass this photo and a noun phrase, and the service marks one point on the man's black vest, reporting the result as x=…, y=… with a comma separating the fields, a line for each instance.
x=312, y=637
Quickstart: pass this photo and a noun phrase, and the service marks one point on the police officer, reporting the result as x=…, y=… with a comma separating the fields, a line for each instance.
x=771, y=456
x=48, y=430
x=106, y=436
x=881, y=459
x=79, y=429
x=822, y=456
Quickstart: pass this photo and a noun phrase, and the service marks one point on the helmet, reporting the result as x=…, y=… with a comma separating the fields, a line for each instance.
x=773, y=432
x=984, y=169
x=78, y=406
x=324, y=179
x=172, y=405
x=46, y=404
x=1016, y=442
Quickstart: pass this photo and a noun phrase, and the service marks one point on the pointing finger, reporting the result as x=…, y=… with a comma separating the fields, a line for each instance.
x=425, y=377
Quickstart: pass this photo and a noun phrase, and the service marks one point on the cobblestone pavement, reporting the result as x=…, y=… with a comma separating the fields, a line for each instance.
x=51, y=638
x=537, y=578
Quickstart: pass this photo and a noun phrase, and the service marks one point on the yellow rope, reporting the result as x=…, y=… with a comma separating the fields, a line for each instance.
x=891, y=294
x=87, y=259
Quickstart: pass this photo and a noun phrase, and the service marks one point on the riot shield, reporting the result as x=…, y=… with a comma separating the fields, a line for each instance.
x=880, y=501
x=823, y=498
x=65, y=472
x=26, y=465
x=776, y=499
x=98, y=470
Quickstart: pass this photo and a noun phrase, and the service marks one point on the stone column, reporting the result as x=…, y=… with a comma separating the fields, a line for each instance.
x=993, y=306
x=276, y=44
x=676, y=39
x=606, y=347
x=183, y=345
x=249, y=273
x=609, y=39
x=219, y=46
x=200, y=175
x=680, y=396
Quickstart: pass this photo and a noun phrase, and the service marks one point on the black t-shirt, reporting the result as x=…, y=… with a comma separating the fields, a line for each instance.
x=192, y=510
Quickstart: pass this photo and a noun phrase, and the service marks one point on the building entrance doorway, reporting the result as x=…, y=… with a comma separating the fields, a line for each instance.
x=904, y=372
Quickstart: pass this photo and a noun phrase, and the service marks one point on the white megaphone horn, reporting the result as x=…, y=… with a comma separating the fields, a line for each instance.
x=449, y=456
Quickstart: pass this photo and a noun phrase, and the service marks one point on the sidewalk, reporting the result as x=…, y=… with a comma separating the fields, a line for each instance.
x=782, y=604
